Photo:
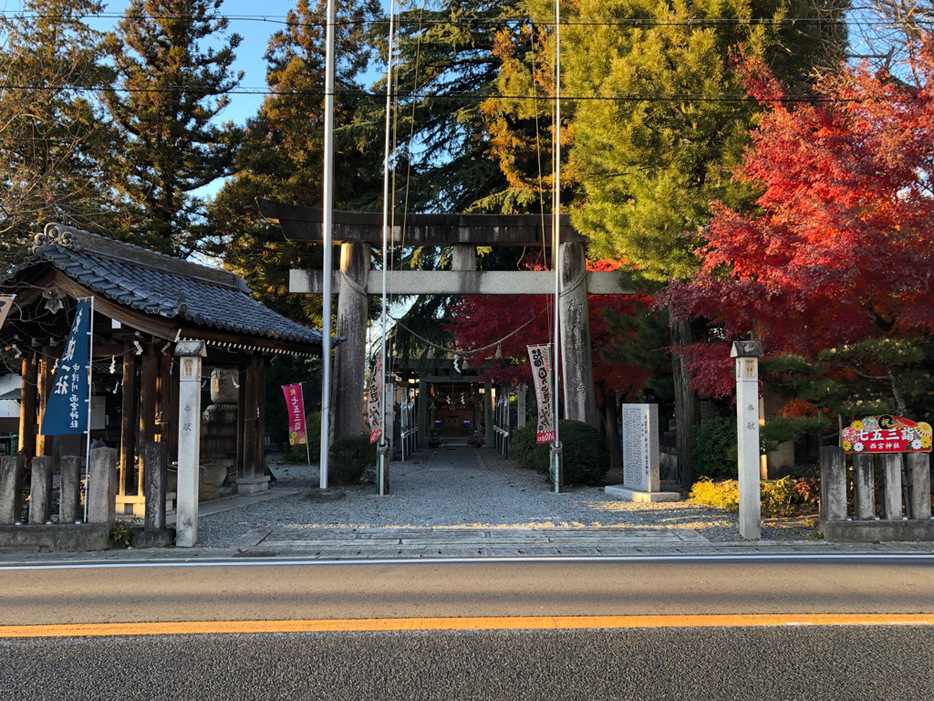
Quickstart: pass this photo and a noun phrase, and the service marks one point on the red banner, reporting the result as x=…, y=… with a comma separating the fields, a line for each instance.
x=296, y=407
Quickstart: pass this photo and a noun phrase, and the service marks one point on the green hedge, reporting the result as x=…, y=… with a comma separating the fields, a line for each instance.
x=349, y=457
x=585, y=455
x=713, y=447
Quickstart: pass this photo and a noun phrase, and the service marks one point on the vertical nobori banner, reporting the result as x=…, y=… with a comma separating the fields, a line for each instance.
x=296, y=406
x=374, y=403
x=540, y=357
x=67, y=410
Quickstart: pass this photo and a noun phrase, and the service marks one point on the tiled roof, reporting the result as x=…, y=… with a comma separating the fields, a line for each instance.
x=164, y=286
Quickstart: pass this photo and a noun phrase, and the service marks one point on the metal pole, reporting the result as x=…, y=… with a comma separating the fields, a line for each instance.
x=87, y=450
x=328, y=206
x=381, y=458
x=557, y=476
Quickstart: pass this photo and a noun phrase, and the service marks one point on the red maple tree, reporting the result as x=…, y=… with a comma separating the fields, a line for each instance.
x=510, y=323
x=840, y=247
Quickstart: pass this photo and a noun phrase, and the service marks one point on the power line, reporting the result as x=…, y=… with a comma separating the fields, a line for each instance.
x=412, y=19
x=315, y=92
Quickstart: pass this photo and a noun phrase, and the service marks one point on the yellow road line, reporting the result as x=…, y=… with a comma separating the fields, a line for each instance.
x=482, y=623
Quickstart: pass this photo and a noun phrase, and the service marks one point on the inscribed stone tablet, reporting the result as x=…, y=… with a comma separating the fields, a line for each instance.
x=640, y=447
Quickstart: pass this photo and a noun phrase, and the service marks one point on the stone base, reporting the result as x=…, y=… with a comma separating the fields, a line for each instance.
x=618, y=491
x=55, y=538
x=877, y=531
x=164, y=538
x=252, y=485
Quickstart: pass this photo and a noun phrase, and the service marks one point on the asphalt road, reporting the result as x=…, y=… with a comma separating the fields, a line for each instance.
x=685, y=660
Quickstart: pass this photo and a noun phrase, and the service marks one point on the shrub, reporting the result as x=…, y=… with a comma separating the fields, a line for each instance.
x=523, y=445
x=349, y=457
x=299, y=454
x=713, y=448
x=784, y=497
x=585, y=456
x=721, y=495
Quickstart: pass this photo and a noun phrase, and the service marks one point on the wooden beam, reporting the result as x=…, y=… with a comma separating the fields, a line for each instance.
x=27, y=410
x=304, y=224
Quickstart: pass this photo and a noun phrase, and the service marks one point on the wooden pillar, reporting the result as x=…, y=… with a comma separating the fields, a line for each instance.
x=347, y=384
x=250, y=422
x=241, y=461
x=149, y=368
x=576, y=358
x=129, y=420
x=27, y=410
x=168, y=401
x=260, y=380
x=44, y=389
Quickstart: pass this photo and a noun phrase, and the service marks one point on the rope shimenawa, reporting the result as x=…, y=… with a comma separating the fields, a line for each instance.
x=472, y=351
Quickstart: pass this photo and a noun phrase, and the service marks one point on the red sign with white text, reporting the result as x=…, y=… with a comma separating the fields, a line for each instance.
x=296, y=407
x=887, y=434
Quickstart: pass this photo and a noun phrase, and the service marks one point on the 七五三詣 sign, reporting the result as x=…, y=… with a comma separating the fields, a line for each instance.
x=887, y=434
x=296, y=407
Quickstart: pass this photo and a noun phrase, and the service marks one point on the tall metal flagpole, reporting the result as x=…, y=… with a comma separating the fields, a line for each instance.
x=87, y=450
x=556, y=462
x=382, y=455
x=328, y=206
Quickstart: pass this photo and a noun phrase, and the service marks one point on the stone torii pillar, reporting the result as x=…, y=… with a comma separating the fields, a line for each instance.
x=576, y=356
x=350, y=355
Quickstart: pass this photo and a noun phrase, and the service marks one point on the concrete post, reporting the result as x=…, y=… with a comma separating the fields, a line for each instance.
x=864, y=488
x=102, y=486
x=350, y=356
x=576, y=353
x=69, y=502
x=919, y=468
x=190, y=354
x=11, y=492
x=892, y=505
x=747, y=435
x=40, y=490
x=832, y=484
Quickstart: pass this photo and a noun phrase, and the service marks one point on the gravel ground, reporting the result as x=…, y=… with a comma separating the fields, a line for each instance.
x=488, y=493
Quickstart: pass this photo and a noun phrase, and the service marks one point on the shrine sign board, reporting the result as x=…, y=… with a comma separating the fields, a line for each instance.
x=886, y=434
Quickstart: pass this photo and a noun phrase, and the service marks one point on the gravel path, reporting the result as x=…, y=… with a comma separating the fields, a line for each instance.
x=466, y=488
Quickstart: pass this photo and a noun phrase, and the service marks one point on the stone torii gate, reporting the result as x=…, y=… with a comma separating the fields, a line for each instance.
x=358, y=232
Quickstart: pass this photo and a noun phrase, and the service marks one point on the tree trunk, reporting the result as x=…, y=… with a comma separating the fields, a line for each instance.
x=687, y=405
x=610, y=417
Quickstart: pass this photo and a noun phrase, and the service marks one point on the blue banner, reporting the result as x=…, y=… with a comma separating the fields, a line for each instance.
x=67, y=409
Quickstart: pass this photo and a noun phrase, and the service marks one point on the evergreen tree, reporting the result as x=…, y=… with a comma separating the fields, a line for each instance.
x=52, y=137
x=282, y=153
x=168, y=93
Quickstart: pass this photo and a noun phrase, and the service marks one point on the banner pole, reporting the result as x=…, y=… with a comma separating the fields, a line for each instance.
x=87, y=451
x=305, y=419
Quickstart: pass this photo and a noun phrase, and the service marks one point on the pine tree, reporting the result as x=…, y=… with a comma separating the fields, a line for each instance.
x=52, y=136
x=169, y=91
x=282, y=153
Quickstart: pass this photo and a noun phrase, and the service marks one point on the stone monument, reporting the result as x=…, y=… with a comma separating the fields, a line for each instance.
x=640, y=456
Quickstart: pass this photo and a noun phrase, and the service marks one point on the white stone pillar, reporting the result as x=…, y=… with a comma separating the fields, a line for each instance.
x=747, y=435
x=189, y=354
